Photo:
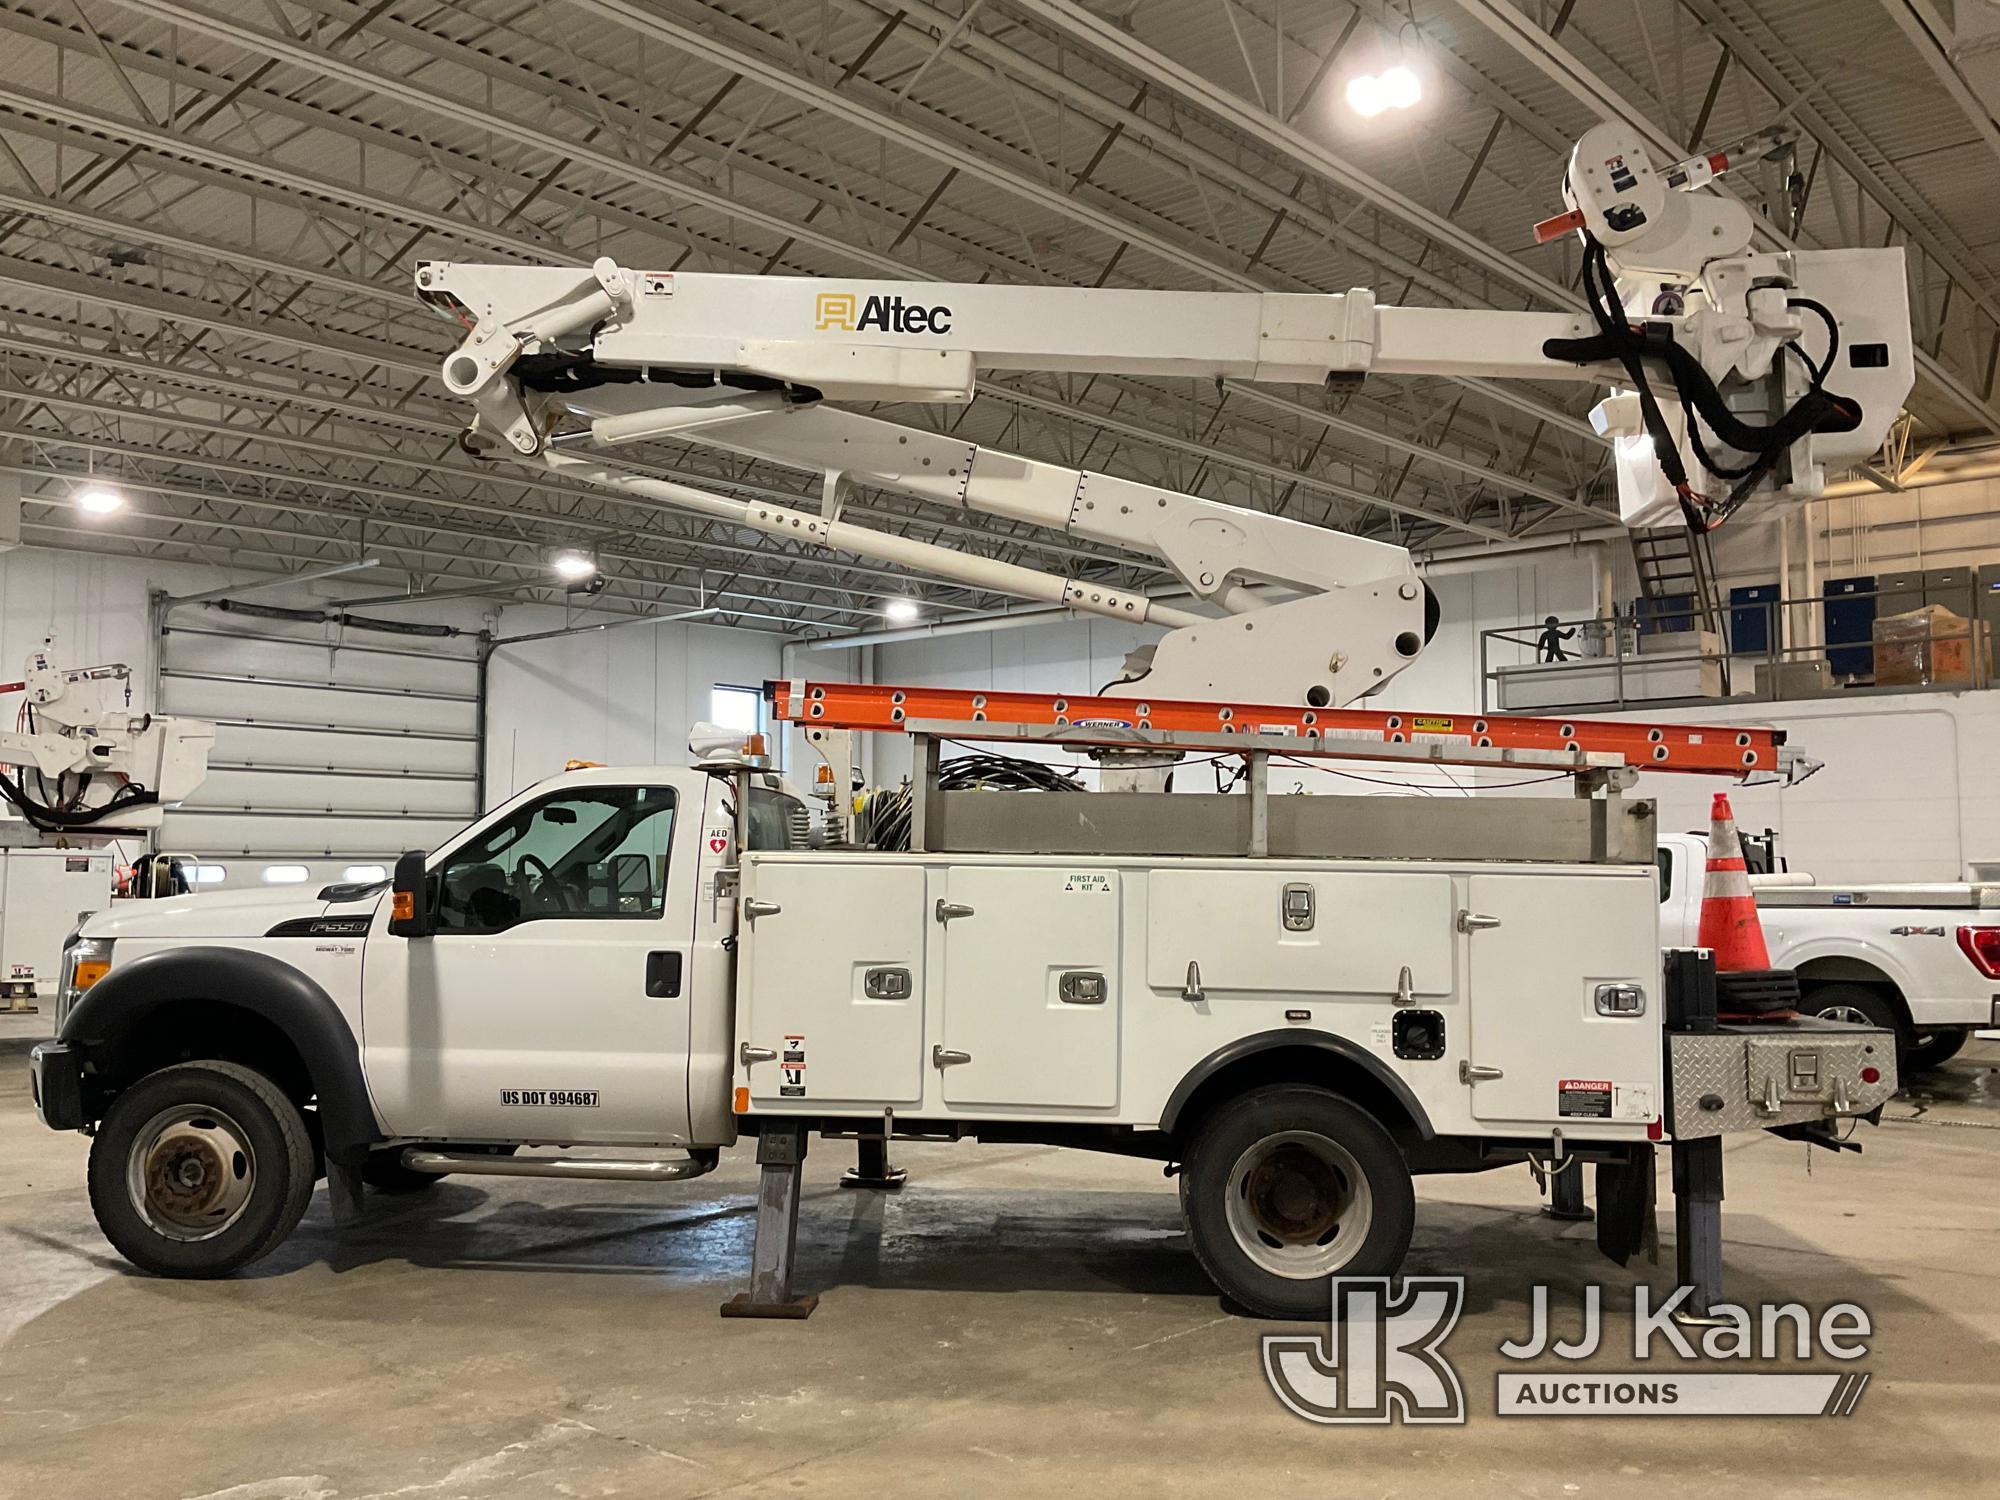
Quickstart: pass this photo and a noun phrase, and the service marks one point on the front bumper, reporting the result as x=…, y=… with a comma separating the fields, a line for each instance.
x=55, y=1080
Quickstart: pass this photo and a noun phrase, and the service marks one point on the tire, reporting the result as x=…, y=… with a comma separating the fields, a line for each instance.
x=1869, y=1007
x=1286, y=1187
x=200, y=1169
x=1932, y=1049
x=384, y=1171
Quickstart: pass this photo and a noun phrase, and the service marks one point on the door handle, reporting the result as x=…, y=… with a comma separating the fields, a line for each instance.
x=750, y=1054
x=1471, y=1072
x=753, y=908
x=1192, y=992
x=1472, y=921
x=944, y=1057
x=1406, y=993
x=946, y=910
x=663, y=974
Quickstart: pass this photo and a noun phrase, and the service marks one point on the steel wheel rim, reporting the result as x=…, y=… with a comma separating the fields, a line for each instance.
x=1298, y=1205
x=1847, y=1013
x=191, y=1172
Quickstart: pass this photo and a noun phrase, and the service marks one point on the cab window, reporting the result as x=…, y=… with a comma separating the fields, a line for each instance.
x=1664, y=857
x=594, y=852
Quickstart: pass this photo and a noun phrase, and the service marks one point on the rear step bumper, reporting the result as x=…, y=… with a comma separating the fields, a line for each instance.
x=590, y=1168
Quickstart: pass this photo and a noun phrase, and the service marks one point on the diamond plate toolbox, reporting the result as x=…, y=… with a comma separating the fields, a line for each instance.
x=1753, y=1077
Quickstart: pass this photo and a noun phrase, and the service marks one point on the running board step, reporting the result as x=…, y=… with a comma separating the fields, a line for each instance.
x=595, y=1168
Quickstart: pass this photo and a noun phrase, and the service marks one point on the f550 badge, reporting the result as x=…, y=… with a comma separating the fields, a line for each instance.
x=550, y=1098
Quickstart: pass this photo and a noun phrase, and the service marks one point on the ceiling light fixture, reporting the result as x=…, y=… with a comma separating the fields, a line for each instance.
x=573, y=565
x=901, y=611
x=99, y=501
x=1398, y=87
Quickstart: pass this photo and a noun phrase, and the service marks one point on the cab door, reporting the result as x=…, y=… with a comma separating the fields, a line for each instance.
x=551, y=1004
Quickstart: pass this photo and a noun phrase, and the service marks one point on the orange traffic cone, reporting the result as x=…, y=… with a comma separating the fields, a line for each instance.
x=1729, y=925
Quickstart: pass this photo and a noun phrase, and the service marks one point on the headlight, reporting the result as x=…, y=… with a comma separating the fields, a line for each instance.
x=84, y=962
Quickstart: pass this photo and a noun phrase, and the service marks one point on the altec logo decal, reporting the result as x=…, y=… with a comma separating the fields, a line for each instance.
x=838, y=310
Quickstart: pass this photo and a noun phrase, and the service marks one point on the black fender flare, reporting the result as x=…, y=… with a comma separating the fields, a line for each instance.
x=1318, y=1041
x=267, y=987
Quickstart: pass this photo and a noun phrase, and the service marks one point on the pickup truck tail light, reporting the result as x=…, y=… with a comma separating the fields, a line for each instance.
x=1982, y=946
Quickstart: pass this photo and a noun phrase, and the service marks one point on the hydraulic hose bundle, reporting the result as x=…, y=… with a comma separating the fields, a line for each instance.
x=885, y=815
x=1633, y=346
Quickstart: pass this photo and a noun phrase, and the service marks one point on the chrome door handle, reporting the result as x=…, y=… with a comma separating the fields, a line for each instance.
x=944, y=1057
x=1405, y=991
x=946, y=910
x=750, y=1054
x=753, y=909
x=1472, y=921
x=1470, y=1072
x=1192, y=991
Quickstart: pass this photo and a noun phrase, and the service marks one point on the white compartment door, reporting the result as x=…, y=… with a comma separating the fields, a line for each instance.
x=833, y=982
x=1031, y=987
x=1533, y=988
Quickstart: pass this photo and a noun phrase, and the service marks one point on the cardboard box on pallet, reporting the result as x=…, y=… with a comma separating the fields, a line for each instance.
x=1932, y=645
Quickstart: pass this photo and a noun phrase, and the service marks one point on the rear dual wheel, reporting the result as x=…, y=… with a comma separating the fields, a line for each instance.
x=1289, y=1186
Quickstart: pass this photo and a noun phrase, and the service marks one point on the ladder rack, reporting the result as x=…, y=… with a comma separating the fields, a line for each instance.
x=1493, y=740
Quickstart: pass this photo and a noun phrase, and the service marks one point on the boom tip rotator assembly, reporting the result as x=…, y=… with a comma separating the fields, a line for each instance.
x=1735, y=376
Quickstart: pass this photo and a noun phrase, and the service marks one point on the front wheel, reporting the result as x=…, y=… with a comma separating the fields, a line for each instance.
x=1288, y=1186
x=200, y=1169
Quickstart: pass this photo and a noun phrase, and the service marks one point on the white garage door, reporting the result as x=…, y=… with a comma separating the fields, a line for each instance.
x=336, y=747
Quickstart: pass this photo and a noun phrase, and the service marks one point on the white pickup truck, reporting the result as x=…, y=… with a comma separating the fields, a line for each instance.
x=591, y=965
x=1920, y=960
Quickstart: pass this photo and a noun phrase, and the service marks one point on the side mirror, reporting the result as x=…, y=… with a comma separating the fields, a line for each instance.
x=410, y=913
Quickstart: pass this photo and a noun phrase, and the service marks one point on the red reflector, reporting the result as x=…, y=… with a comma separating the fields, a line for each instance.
x=1657, y=1131
x=1871, y=1075
x=1982, y=946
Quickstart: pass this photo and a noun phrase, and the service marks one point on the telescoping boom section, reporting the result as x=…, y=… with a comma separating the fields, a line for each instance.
x=1344, y=733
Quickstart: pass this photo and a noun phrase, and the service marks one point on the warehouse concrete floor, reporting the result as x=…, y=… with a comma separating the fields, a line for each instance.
x=1018, y=1320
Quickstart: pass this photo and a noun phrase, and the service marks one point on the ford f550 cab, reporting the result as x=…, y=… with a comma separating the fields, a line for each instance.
x=598, y=964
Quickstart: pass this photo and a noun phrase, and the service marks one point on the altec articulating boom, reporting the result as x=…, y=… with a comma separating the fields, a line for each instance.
x=1735, y=377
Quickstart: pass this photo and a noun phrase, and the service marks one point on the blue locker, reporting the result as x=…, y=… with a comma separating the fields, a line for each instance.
x=1850, y=623
x=1750, y=624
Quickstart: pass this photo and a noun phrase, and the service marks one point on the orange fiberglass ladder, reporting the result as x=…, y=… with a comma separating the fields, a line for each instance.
x=1573, y=745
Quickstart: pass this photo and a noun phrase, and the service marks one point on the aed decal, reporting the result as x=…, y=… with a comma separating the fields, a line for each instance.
x=845, y=312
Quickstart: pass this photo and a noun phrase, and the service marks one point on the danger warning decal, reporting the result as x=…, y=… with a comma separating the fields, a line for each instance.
x=1583, y=1098
x=792, y=1068
x=1428, y=725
